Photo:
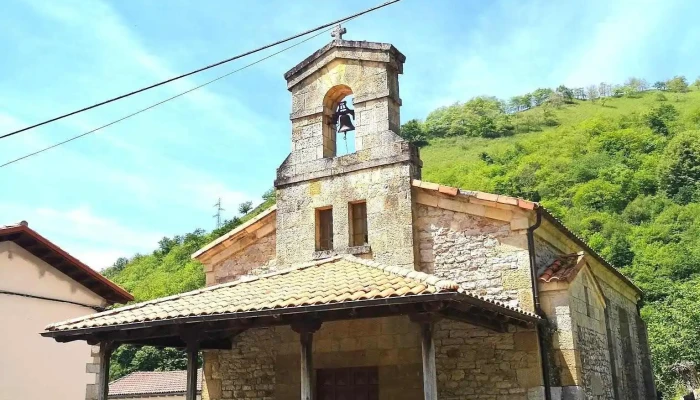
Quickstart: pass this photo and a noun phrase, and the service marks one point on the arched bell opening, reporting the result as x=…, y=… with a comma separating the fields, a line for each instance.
x=339, y=120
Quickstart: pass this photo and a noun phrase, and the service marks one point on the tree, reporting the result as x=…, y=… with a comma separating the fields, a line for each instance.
x=556, y=99
x=660, y=117
x=566, y=93
x=636, y=84
x=413, y=132
x=541, y=95
x=592, y=93
x=269, y=195
x=604, y=89
x=679, y=170
x=697, y=83
x=678, y=84
x=660, y=85
x=245, y=207
x=480, y=116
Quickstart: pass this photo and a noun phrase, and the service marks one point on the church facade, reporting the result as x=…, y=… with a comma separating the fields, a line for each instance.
x=366, y=282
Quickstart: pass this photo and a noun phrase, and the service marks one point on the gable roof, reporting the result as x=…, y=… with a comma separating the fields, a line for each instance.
x=249, y=226
x=563, y=268
x=140, y=383
x=342, y=281
x=58, y=258
x=500, y=201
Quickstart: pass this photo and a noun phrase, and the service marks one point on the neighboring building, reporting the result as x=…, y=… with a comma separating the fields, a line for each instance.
x=366, y=282
x=40, y=283
x=158, y=385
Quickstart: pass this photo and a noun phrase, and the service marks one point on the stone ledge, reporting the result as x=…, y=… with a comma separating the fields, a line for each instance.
x=355, y=250
x=322, y=254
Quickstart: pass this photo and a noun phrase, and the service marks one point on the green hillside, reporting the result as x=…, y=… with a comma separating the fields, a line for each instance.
x=623, y=171
x=626, y=177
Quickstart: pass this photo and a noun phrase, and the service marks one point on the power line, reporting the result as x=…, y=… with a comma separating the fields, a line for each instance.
x=162, y=101
x=336, y=22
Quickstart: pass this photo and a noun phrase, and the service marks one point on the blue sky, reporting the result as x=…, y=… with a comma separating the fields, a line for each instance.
x=119, y=191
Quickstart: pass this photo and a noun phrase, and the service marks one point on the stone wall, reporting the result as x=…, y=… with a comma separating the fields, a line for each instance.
x=627, y=348
x=471, y=362
x=245, y=372
x=387, y=192
x=483, y=255
x=474, y=363
x=249, y=260
x=591, y=338
x=545, y=254
x=390, y=344
x=265, y=363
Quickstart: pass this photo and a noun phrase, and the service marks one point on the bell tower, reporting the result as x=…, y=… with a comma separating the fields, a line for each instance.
x=323, y=199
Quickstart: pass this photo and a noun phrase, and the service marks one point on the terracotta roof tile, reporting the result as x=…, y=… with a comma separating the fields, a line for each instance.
x=141, y=383
x=334, y=280
x=564, y=268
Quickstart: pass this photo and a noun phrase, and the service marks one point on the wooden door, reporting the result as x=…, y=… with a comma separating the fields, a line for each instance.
x=347, y=384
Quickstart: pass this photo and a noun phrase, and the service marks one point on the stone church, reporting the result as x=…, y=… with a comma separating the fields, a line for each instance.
x=366, y=282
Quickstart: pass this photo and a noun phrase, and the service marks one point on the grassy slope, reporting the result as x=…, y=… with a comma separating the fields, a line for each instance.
x=452, y=161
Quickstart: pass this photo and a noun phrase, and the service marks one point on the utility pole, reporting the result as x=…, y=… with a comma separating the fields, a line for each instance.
x=218, y=213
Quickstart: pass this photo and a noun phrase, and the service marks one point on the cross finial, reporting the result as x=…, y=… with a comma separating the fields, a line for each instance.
x=338, y=32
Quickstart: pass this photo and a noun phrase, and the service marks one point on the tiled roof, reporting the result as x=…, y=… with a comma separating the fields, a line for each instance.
x=44, y=249
x=141, y=383
x=564, y=268
x=496, y=198
x=335, y=280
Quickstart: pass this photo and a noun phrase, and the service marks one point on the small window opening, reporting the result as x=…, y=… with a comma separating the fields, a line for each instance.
x=324, y=229
x=345, y=141
x=358, y=224
x=588, y=302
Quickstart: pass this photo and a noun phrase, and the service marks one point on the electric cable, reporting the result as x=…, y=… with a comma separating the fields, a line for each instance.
x=167, y=99
x=336, y=22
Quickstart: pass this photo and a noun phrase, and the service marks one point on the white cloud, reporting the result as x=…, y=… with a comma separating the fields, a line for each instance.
x=96, y=240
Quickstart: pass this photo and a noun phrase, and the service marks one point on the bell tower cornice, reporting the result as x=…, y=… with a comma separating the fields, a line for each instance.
x=367, y=71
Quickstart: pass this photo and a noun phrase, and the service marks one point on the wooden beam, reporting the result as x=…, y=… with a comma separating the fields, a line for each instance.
x=103, y=375
x=427, y=326
x=306, y=337
x=474, y=319
x=192, y=353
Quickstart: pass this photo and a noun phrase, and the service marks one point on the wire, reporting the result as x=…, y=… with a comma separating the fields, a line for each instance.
x=161, y=102
x=345, y=19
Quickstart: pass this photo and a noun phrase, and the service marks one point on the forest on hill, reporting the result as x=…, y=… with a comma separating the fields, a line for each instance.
x=619, y=164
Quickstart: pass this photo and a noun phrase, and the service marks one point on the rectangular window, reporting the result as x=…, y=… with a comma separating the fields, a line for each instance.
x=324, y=229
x=588, y=301
x=358, y=224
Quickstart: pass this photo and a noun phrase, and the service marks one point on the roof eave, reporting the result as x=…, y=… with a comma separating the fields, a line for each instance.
x=119, y=295
x=240, y=229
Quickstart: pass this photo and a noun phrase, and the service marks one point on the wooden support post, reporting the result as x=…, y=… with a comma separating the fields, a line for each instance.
x=306, y=338
x=103, y=375
x=192, y=353
x=427, y=324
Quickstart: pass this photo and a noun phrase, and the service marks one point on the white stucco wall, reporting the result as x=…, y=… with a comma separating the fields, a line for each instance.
x=33, y=367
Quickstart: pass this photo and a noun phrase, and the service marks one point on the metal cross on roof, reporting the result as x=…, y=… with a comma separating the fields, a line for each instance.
x=338, y=32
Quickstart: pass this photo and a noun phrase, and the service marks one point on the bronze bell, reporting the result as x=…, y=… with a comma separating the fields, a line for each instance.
x=345, y=124
x=342, y=117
